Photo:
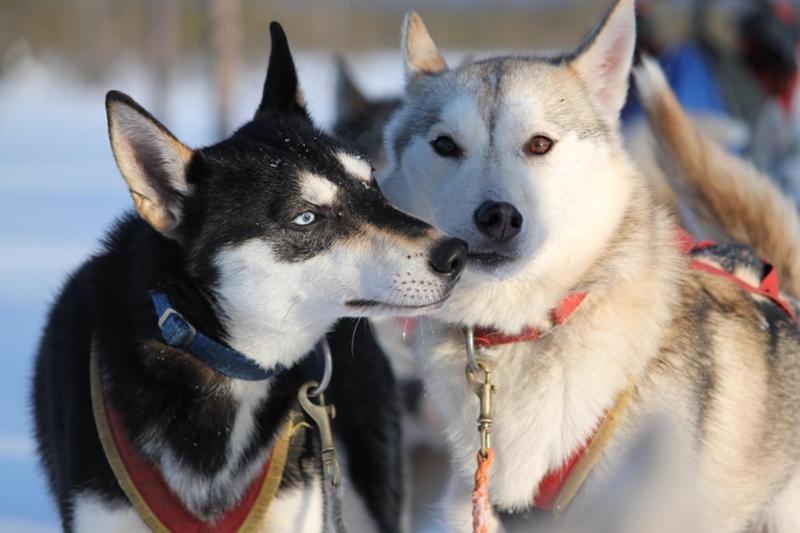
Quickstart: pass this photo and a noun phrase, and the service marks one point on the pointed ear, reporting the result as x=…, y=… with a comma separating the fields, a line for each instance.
x=152, y=161
x=281, y=89
x=419, y=51
x=605, y=59
x=349, y=98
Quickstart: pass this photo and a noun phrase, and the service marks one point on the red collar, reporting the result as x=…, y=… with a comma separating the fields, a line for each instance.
x=487, y=337
x=148, y=492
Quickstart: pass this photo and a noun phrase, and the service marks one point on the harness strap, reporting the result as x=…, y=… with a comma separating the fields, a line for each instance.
x=588, y=457
x=149, y=494
x=769, y=286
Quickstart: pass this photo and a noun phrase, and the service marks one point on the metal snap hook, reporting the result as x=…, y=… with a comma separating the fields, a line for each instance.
x=327, y=373
x=469, y=346
x=321, y=414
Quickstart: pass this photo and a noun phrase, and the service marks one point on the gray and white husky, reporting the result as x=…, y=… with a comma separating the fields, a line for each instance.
x=522, y=158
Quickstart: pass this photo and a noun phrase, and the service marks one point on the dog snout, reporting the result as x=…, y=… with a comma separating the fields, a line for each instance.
x=449, y=256
x=500, y=221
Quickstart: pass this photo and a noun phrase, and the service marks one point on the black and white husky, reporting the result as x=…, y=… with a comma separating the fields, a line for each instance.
x=260, y=242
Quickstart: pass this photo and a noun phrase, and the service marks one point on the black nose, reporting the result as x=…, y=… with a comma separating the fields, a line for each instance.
x=499, y=220
x=449, y=257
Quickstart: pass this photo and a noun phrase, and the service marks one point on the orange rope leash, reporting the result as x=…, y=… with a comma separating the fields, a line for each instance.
x=481, y=505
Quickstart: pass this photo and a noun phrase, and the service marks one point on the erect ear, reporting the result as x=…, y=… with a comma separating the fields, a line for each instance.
x=281, y=89
x=349, y=98
x=152, y=161
x=419, y=51
x=605, y=59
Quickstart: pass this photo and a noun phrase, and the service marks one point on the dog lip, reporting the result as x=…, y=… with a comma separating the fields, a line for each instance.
x=385, y=305
x=489, y=258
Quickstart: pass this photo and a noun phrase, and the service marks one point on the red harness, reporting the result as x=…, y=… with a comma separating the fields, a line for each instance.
x=769, y=287
x=163, y=502
x=148, y=492
x=552, y=484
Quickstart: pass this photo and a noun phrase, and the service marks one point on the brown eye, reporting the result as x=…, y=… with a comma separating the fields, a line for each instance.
x=446, y=147
x=540, y=145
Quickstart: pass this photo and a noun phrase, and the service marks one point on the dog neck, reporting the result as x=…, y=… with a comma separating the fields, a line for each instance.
x=273, y=340
x=632, y=287
x=208, y=434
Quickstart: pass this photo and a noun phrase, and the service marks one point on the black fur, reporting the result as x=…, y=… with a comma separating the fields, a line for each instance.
x=240, y=190
x=360, y=121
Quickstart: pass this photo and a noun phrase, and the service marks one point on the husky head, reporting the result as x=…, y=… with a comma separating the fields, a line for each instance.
x=282, y=226
x=360, y=120
x=519, y=156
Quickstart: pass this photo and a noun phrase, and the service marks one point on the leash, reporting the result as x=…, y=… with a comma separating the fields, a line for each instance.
x=321, y=414
x=484, y=390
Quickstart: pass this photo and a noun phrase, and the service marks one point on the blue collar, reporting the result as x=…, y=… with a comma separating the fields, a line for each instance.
x=178, y=332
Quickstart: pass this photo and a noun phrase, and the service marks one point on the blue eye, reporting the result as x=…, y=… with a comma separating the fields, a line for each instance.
x=304, y=219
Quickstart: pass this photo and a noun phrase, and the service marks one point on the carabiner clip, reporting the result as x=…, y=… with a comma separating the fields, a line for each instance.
x=322, y=414
x=483, y=389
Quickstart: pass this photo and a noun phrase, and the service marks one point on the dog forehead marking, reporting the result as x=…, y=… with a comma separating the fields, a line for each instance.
x=356, y=167
x=316, y=189
x=462, y=116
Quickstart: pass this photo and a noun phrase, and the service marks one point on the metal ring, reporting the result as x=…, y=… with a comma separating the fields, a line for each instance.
x=469, y=345
x=327, y=373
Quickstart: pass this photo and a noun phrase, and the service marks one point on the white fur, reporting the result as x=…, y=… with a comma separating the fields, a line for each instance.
x=650, y=79
x=230, y=482
x=784, y=515
x=550, y=394
x=275, y=312
x=92, y=514
x=317, y=190
x=299, y=509
x=565, y=226
x=355, y=167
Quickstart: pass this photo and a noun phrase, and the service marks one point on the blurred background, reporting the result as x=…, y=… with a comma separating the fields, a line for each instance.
x=198, y=66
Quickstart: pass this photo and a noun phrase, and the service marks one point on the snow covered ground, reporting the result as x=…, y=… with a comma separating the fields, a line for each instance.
x=60, y=189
